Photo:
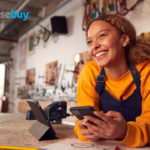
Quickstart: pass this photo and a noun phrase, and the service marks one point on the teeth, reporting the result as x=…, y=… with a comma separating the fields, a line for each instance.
x=101, y=53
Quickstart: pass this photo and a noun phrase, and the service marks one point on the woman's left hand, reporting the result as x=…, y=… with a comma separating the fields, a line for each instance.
x=115, y=128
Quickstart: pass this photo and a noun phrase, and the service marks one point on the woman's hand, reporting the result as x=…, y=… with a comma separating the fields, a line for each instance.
x=86, y=132
x=115, y=128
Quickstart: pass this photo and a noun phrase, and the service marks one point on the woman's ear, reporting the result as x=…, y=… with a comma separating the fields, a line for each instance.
x=125, y=40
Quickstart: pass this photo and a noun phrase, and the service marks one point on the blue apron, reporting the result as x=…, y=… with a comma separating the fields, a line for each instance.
x=130, y=108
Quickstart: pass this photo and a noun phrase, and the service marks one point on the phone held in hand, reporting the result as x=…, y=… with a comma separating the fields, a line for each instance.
x=80, y=112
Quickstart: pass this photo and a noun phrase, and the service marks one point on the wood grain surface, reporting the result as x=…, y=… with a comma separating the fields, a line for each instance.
x=14, y=131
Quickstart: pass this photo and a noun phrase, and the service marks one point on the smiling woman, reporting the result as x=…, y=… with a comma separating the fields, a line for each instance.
x=115, y=84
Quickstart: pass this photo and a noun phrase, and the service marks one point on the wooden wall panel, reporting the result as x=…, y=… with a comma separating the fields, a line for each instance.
x=51, y=73
x=30, y=78
x=84, y=58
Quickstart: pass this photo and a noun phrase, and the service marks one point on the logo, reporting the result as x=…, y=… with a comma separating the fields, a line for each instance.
x=13, y=14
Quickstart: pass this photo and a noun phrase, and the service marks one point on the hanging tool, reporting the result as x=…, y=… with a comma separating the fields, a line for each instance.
x=86, y=17
x=44, y=32
x=104, y=5
x=94, y=9
x=111, y=5
x=125, y=9
x=56, y=84
x=76, y=70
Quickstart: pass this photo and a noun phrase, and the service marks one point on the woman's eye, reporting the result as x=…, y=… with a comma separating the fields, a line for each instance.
x=102, y=35
x=89, y=42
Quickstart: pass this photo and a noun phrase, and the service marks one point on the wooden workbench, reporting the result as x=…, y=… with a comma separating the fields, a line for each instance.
x=14, y=131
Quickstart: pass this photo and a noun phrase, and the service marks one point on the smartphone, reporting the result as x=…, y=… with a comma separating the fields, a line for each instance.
x=80, y=112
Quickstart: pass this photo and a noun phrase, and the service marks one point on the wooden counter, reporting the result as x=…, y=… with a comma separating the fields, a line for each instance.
x=14, y=131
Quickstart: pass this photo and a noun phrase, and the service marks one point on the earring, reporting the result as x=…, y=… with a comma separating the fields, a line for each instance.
x=124, y=44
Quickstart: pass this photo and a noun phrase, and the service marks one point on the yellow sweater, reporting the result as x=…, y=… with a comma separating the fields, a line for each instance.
x=138, y=132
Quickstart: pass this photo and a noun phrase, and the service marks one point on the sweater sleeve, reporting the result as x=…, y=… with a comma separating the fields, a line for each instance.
x=86, y=96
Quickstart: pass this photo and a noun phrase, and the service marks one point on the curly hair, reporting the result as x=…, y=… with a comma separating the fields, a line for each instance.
x=138, y=49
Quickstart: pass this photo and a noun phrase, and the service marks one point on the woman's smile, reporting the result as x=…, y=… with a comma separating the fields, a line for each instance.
x=101, y=54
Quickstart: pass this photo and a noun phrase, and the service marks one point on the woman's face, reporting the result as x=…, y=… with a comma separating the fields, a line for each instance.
x=105, y=44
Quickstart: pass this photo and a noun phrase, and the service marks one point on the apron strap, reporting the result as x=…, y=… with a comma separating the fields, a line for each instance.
x=100, y=82
x=135, y=75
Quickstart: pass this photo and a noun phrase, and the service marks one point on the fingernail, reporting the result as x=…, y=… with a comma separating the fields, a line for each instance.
x=85, y=117
x=95, y=112
x=83, y=123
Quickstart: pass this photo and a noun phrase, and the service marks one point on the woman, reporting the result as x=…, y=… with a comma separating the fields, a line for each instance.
x=116, y=84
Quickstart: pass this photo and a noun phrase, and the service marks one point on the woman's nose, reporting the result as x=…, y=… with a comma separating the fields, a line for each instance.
x=96, y=44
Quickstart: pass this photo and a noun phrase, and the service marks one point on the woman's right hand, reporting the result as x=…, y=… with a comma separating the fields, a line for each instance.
x=87, y=133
